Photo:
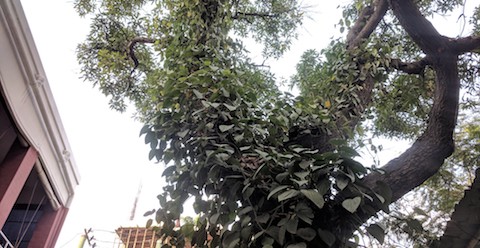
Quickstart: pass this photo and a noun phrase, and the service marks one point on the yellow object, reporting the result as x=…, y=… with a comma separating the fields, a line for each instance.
x=328, y=104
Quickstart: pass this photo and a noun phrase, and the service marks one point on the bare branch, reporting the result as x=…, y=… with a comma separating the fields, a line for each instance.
x=131, y=48
x=239, y=15
x=416, y=67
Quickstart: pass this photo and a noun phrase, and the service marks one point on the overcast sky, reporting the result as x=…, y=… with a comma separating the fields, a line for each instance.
x=111, y=157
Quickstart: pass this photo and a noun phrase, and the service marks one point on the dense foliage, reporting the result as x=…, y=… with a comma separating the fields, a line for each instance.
x=265, y=168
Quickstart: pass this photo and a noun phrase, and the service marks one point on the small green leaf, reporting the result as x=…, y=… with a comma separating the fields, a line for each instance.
x=420, y=211
x=149, y=223
x=238, y=138
x=276, y=190
x=307, y=234
x=198, y=94
x=288, y=194
x=263, y=218
x=151, y=154
x=230, y=107
x=214, y=218
x=326, y=237
x=224, y=128
x=351, y=205
x=341, y=182
x=297, y=245
x=292, y=225
x=145, y=129
x=183, y=133
x=380, y=198
x=314, y=196
x=377, y=232
x=304, y=164
x=245, y=210
x=149, y=212
x=415, y=225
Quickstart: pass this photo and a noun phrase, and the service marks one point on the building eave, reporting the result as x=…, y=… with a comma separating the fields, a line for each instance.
x=31, y=102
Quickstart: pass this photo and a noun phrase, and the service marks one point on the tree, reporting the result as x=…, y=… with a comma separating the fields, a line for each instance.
x=267, y=168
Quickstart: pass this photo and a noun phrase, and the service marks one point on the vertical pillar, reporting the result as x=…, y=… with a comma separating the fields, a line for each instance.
x=14, y=172
x=48, y=228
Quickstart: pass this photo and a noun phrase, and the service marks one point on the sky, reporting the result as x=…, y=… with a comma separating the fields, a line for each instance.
x=111, y=157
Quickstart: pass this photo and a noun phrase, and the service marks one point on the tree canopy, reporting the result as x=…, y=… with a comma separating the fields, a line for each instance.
x=266, y=168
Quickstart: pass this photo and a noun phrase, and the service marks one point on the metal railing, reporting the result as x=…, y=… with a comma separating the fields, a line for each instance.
x=4, y=242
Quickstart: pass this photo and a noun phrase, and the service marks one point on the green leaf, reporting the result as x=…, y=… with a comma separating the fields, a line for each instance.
x=415, y=225
x=267, y=241
x=149, y=223
x=214, y=218
x=149, y=212
x=307, y=234
x=314, y=196
x=145, y=129
x=351, y=205
x=183, y=133
x=297, y=245
x=151, y=154
x=380, y=198
x=224, y=128
x=304, y=212
x=231, y=239
x=274, y=232
x=276, y=190
x=169, y=171
x=263, y=218
x=245, y=210
x=292, y=225
x=326, y=237
x=281, y=234
x=304, y=164
x=342, y=182
x=302, y=174
x=281, y=176
x=198, y=94
x=230, y=107
x=377, y=232
x=288, y=194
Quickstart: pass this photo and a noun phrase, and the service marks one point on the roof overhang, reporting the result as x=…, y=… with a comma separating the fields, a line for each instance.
x=30, y=101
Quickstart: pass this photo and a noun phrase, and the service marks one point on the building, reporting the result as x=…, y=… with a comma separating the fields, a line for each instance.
x=137, y=237
x=37, y=172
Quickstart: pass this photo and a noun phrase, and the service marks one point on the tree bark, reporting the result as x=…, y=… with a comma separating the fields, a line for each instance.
x=427, y=154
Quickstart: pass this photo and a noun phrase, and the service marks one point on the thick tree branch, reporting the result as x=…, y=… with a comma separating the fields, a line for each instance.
x=465, y=44
x=416, y=67
x=367, y=22
x=427, y=154
x=422, y=32
x=463, y=229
